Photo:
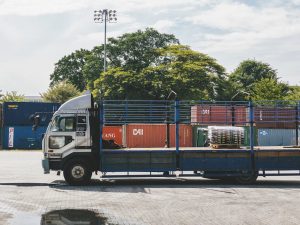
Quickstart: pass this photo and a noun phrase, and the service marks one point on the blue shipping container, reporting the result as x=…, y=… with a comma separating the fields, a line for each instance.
x=276, y=137
x=20, y=113
x=22, y=137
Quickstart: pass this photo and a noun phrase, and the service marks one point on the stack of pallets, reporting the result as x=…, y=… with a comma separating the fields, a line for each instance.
x=226, y=136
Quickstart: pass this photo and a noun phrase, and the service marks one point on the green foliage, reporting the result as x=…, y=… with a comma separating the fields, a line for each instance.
x=138, y=50
x=269, y=89
x=12, y=96
x=250, y=71
x=60, y=92
x=148, y=65
x=70, y=68
x=258, y=79
x=294, y=93
x=93, y=66
x=192, y=75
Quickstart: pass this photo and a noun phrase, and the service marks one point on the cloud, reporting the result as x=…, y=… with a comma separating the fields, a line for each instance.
x=163, y=25
x=238, y=26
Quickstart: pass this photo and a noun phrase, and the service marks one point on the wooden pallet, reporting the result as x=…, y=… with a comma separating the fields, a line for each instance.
x=226, y=146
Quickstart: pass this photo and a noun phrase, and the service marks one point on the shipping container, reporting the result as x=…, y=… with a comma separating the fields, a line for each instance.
x=219, y=115
x=21, y=113
x=112, y=133
x=276, y=137
x=154, y=135
x=275, y=117
x=22, y=137
x=247, y=136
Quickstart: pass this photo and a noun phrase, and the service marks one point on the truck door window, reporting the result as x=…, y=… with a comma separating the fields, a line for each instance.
x=81, y=123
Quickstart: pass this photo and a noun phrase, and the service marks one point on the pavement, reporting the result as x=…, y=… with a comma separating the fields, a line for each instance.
x=27, y=196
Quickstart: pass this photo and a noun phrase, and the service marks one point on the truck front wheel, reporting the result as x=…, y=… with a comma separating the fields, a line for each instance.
x=77, y=172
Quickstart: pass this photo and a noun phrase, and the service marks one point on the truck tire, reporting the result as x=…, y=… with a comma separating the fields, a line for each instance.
x=77, y=172
x=247, y=179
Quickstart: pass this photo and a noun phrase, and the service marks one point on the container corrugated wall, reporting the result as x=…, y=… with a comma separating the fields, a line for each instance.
x=276, y=137
x=22, y=137
x=154, y=135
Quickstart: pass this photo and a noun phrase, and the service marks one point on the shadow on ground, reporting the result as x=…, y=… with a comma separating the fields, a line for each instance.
x=134, y=185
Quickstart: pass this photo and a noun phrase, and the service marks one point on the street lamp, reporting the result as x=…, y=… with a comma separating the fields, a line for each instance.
x=105, y=16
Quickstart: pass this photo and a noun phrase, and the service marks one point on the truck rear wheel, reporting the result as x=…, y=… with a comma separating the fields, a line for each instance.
x=77, y=172
x=247, y=179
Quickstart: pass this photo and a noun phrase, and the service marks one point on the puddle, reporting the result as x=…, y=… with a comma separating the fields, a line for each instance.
x=62, y=217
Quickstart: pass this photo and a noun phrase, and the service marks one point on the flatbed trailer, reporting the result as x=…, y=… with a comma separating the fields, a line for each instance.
x=77, y=159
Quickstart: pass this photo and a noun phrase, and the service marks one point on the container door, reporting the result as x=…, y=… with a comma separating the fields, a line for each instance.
x=201, y=138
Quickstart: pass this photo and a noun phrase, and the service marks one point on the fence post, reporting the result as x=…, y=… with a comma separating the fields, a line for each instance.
x=101, y=115
x=251, y=118
x=297, y=122
x=177, y=121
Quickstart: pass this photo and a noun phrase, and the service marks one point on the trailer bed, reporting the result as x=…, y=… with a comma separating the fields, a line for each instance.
x=263, y=158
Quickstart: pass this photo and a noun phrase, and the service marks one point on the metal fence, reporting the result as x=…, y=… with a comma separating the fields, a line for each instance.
x=179, y=121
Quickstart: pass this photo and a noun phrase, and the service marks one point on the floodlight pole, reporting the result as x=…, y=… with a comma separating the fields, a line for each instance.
x=105, y=20
x=105, y=16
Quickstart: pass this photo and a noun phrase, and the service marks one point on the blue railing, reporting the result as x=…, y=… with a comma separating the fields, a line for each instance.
x=252, y=114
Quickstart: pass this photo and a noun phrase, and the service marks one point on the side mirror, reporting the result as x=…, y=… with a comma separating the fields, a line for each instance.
x=36, y=122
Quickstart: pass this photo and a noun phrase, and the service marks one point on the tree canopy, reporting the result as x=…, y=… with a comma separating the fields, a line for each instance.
x=12, y=96
x=60, y=92
x=148, y=65
x=192, y=75
x=259, y=80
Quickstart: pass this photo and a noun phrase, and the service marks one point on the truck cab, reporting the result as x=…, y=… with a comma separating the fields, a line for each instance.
x=68, y=145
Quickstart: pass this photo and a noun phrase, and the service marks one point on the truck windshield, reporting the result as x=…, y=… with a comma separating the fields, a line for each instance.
x=63, y=124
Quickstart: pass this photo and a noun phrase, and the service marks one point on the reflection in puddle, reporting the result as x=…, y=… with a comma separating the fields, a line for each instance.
x=73, y=216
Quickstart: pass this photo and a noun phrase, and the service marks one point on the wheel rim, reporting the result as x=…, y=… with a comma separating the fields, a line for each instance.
x=77, y=172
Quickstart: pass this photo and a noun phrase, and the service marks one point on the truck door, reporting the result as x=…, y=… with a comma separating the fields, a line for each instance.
x=62, y=133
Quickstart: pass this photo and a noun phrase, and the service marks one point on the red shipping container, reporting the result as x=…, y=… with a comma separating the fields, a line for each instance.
x=275, y=117
x=112, y=133
x=144, y=135
x=154, y=135
x=219, y=115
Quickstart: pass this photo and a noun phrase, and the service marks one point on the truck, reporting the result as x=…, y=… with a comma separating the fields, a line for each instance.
x=73, y=141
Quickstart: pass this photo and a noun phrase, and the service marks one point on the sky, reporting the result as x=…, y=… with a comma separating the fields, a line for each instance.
x=35, y=34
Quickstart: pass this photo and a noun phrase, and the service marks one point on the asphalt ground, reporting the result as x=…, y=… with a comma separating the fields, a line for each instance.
x=27, y=196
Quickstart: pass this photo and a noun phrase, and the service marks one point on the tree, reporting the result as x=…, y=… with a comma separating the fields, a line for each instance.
x=250, y=71
x=60, y=92
x=70, y=68
x=131, y=51
x=192, y=75
x=269, y=89
x=294, y=93
x=12, y=96
x=247, y=76
x=138, y=50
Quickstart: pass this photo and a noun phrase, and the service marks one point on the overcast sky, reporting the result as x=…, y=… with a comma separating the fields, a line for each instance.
x=37, y=33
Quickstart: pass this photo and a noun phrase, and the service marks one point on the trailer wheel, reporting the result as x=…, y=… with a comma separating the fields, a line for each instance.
x=247, y=179
x=77, y=172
